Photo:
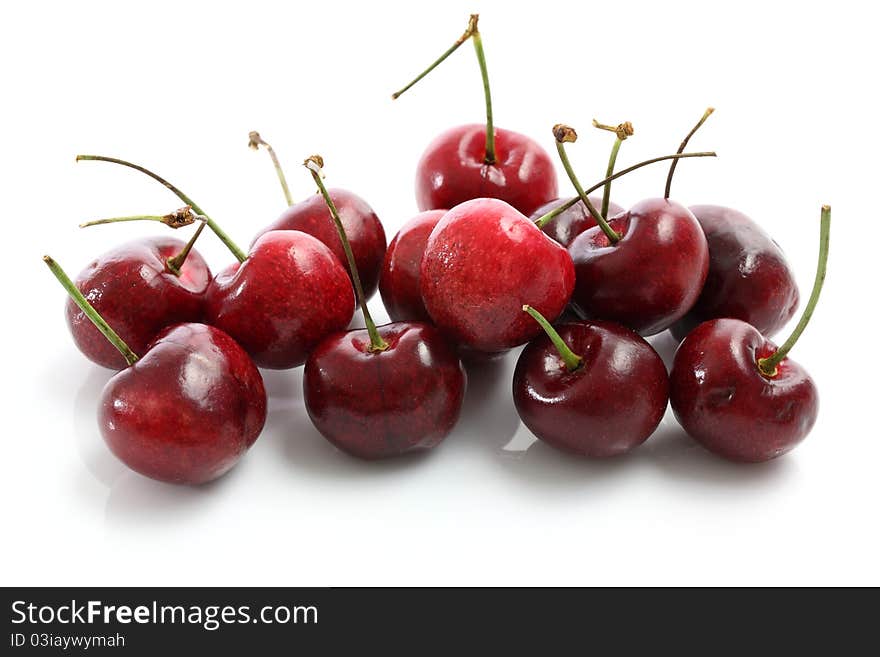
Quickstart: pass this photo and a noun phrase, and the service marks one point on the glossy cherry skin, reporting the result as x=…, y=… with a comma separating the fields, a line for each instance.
x=564, y=227
x=399, y=283
x=188, y=410
x=287, y=296
x=133, y=290
x=376, y=405
x=453, y=170
x=362, y=227
x=651, y=277
x=608, y=406
x=749, y=277
x=724, y=402
x=483, y=262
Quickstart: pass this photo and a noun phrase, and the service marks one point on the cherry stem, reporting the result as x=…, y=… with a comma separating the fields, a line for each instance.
x=572, y=360
x=314, y=164
x=130, y=357
x=681, y=148
x=563, y=134
x=622, y=131
x=768, y=366
x=175, y=263
x=472, y=32
x=177, y=219
x=254, y=142
x=236, y=251
x=543, y=220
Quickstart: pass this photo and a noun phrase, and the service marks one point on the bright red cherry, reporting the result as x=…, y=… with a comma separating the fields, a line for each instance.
x=399, y=283
x=386, y=391
x=288, y=295
x=483, y=262
x=739, y=395
x=136, y=289
x=188, y=409
x=749, y=277
x=480, y=161
x=590, y=388
x=365, y=232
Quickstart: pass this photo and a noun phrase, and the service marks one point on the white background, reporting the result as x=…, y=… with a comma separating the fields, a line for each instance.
x=177, y=88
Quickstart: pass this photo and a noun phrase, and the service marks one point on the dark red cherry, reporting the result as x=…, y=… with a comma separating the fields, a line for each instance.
x=573, y=221
x=723, y=400
x=187, y=410
x=378, y=404
x=603, y=397
x=132, y=287
x=483, y=262
x=651, y=276
x=399, y=283
x=365, y=231
x=749, y=277
x=386, y=391
x=288, y=294
x=739, y=395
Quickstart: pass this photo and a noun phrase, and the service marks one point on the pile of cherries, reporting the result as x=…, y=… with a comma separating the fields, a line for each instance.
x=493, y=261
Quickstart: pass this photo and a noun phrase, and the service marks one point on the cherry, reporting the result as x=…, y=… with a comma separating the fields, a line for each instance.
x=140, y=287
x=399, y=283
x=643, y=268
x=381, y=391
x=483, y=262
x=577, y=218
x=279, y=300
x=188, y=409
x=362, y=225
x=288, y=295
x=478, y=161
x=749, y=277
x=739, y=395
x=604, y=402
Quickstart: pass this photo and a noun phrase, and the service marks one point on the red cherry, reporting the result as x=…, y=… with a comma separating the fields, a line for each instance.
x=649, y=278
x=749, y=277
x=134, y=289
x=404, y=398
x=738, y=395
x=188, y=409
x=604, y=402
x=480, y=161
x=366, y=235
x=288, y=294
x=483, y=262
x=381, y=392
x=453, y=169
x=399, y=283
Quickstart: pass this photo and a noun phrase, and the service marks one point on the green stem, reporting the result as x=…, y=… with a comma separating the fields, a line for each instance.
x=768, y=366
x=622, y=131
x=563, y=134
x=314, y=165
x=130, y=357
x=471, y=31
x=681, y=148
x=255, y=141
x=543, y=220
x=175, y=263
x=236, y=251
x=177, y=219
x=572, y=360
